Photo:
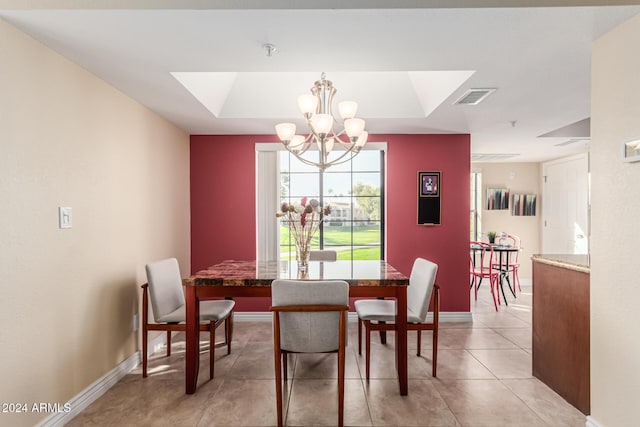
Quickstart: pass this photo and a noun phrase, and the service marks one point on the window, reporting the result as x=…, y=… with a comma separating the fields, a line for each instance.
x=355, y=192
x=476, y=205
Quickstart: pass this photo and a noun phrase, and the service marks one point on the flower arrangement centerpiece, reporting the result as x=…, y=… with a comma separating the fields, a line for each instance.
x=303, y=220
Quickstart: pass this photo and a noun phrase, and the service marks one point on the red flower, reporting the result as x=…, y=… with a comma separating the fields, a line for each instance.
x=303, y=202
x=303, y=219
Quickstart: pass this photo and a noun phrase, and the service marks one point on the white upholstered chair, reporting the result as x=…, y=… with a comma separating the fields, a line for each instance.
x=323, y=255
x=165, y=290
x=309, y=317
x=380, y=315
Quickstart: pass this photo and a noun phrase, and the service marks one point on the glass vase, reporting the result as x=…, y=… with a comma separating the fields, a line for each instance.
x=302, y=256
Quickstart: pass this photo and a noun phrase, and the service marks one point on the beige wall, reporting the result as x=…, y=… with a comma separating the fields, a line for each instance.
x=518, y=178
x=615, y=210
x=68, y=296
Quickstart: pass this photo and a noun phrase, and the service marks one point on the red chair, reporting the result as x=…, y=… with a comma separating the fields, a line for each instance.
x=481, y=266
x=513, y=266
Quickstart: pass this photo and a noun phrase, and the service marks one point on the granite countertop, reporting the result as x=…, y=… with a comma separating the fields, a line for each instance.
x=262, y=273
x=568, y=261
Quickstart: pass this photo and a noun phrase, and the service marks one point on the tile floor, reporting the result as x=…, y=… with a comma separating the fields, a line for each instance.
x=484, y=379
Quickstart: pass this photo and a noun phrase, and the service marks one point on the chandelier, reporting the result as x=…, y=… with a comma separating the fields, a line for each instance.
x=316, y=109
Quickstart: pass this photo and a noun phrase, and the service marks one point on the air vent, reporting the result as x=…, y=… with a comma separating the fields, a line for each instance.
x=571, y=141
x=491, y=157
x=474, y=96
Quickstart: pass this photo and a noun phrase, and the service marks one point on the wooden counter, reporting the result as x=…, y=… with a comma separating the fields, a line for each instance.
x=561, y=326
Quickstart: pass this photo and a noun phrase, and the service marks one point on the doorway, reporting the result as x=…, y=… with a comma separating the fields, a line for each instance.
x=565, y=206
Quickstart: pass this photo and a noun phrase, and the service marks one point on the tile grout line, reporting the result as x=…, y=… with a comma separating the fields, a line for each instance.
x=364, y=389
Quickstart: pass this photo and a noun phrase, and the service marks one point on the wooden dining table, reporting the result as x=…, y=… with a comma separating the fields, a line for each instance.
x=231, y=279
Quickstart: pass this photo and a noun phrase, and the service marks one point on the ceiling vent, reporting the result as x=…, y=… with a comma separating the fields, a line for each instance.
x=491, y=157
x=474, y=96
x=571, y=141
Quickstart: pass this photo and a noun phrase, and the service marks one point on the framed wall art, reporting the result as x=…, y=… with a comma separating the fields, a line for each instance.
x=497, y=199
x=523, y=205
x=429, y=184
x=429, y=194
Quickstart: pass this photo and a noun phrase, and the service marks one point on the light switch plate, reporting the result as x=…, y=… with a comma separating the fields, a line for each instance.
x=64, y=217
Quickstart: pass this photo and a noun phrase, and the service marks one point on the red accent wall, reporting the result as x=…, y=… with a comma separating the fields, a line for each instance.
x=447, y=244
x=223, y=223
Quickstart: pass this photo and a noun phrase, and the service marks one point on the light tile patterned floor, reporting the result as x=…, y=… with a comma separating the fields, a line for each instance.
x=484, y=379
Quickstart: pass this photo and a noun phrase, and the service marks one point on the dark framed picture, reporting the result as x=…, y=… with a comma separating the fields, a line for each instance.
x=429, y=184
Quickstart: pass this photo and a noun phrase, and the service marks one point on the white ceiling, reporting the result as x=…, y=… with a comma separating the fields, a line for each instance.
x=405, y=67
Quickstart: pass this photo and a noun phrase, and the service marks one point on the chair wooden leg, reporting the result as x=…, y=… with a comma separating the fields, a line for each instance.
x=436, y=327
x=228, y=327
x=212, y=347
x=383, y=334
x=341, y=366
x=278, y=360
x=359, y=336
x=367, y=347
x=168, y=343
x=434, y=362
x=144, y=350
x=419, y=342
x=277, y=357
x=285, y=365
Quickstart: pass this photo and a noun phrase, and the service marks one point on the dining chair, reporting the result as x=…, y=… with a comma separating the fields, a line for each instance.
x=323, y=255
x=380, y=314
x=164, y=289
x=514, y=265
x=482, y=266
x=309, y=317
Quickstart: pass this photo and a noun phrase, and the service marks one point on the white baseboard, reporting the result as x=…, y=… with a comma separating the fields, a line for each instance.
x=591, y=422
x=90, y=394
x=526, y=282
x=266, y=316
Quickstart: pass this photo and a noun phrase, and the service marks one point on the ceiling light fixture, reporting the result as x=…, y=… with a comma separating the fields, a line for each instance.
x=316, y=109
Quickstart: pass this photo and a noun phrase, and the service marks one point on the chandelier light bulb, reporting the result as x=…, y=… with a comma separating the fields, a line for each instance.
x=322, y=123
x=353, y=127
x=347, y=109
x=297, y=141
x=307, y=104
x=362, y=139
x=328, y=144
x=285, y=131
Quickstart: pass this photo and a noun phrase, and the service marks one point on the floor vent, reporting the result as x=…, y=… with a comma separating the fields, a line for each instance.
x=474, y=96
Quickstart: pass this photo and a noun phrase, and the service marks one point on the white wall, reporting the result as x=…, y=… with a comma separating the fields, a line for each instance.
x=68, y=296
x=615, y=210
x=518, y=178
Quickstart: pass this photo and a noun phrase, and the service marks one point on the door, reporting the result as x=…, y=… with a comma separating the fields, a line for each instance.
x=565, y=206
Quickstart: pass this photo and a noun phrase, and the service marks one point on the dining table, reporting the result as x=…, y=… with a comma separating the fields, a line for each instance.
x=503, y=253
x=233, y=278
